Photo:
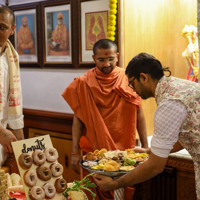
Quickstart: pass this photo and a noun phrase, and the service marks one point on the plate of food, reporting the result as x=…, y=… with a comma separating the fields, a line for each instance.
x=112, y=163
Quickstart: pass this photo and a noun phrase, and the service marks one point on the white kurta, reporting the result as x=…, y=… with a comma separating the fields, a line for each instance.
x=15, y=122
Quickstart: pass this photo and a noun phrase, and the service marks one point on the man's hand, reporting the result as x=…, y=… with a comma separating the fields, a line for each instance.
x=19, y=134
x=6, y=138
x=75, y=159
x=142, y=150
x=104, y=182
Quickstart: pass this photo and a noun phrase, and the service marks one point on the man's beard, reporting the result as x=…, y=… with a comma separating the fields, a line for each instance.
x=107, y=70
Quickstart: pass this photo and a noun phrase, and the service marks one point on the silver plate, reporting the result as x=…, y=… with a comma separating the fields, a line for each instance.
x=103, y=172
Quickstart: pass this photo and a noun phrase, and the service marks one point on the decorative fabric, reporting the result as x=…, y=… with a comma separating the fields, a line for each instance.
x=14, y=121
x=107, y=107
x=119, y=194
x=188, y=92
x=15, y=104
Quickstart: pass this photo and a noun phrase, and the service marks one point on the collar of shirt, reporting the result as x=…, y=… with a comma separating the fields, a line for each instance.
x=4, y=51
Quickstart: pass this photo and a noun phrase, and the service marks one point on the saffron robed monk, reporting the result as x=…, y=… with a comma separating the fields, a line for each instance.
x=59, y=40
x=25, y=43
x=10, y=86
x=107, y=112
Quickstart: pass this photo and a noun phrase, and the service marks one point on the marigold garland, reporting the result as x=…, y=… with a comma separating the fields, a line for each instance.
x=112, y=20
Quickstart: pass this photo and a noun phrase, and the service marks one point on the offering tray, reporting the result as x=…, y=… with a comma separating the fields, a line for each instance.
x=103, y=172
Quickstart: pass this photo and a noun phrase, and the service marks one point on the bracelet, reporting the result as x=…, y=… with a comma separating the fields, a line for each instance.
x=75, y=153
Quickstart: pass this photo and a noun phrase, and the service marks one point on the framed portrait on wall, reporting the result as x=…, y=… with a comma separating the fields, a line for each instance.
x=25, y=38
x=94, y=23
x=57, y=33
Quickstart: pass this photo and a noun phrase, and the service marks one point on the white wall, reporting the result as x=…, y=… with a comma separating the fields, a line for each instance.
x=42, y=88
x=2, y=2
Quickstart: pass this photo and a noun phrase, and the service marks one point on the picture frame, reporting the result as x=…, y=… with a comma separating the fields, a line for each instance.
x=25, y=39
x=77, y=15
x=93, y=26
x=57, y=34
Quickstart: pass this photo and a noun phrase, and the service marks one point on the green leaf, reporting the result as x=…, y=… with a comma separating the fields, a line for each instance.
x=85, y=183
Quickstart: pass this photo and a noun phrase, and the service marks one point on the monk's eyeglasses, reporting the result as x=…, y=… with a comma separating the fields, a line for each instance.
x=131, y=84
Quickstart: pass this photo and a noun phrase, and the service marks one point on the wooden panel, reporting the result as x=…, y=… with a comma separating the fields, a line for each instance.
x=186, y=186
x=185, y=178
x=184, y=165
x=63, y=144
x=155, y=27
x=160, y=187
x=46, y=120
x=177, y=182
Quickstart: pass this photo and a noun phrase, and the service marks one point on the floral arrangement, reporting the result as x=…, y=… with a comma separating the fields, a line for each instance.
x=112, y=20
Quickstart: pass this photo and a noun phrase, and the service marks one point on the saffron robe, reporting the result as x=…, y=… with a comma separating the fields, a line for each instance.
x=107, y=107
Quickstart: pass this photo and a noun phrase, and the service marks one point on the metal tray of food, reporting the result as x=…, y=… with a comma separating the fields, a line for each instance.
x=103, y=172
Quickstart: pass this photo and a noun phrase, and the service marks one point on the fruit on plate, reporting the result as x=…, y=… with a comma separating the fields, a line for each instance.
x=129, y=161
x=126, y=168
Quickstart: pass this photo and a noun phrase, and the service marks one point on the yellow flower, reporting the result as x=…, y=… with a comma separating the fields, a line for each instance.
x=111, y=33
x=111, y=38
x=113, y=6
x=113, y=1
x=112, y=17
x=113, y=11
x=112, y=22
x=111, y=28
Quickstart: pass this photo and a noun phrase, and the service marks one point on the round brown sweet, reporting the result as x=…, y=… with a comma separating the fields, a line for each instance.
x=56, y=169
x=25, y=161
x=44, y=173
x=51, y=154
x=30, y=177
x=39, y=157
x=49, y=190
x=60, y=185
x=36, y=193
x=91, y=156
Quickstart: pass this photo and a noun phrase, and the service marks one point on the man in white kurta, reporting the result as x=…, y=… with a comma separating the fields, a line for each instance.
x=10, y=87
x=14, y=122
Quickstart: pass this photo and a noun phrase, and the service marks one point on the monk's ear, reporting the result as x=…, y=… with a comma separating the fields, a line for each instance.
x=93, y=58
x=117, y=55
